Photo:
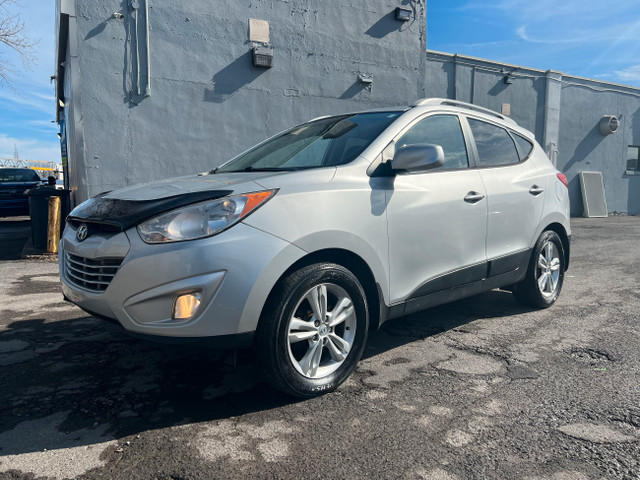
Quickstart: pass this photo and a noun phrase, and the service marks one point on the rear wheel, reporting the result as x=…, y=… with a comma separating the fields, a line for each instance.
x=313, y=333
x=545, y=274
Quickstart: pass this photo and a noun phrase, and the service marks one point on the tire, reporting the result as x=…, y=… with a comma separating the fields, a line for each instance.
x=545, y=273
x=300, y=354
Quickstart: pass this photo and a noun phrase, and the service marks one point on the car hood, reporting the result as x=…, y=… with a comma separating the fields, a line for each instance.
x=235, y=182
x=18, y=185
x=127, y=207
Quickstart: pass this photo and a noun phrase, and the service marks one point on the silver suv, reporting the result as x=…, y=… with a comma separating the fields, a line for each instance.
x=305, y=242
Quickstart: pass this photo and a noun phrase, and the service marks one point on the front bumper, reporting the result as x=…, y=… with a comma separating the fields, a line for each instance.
x=234, y=273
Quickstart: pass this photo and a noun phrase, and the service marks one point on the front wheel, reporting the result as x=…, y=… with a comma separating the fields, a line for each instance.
x=545, y=274
x=313, y=331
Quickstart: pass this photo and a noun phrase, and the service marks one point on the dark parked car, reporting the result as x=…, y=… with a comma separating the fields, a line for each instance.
x=14, y=182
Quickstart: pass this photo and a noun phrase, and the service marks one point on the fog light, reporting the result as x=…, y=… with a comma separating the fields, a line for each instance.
x=185, y=306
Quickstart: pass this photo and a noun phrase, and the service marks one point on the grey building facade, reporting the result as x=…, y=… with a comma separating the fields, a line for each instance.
x=563, y=111
x=151, y=89
x=181, y=95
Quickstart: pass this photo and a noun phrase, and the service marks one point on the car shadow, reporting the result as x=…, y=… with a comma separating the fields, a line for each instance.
x=424, y=324
x=100, y=377
x=84, y=380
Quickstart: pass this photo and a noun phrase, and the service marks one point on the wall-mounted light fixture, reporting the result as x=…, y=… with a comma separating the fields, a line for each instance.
x=509, y=78
x=365, y=78
x=403, y=14
x=263, y=56
x=259, y=36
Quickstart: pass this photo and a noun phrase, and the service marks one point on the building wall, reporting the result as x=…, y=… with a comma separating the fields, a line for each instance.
x=207, y=101
x=583, y=148
x=561, y=110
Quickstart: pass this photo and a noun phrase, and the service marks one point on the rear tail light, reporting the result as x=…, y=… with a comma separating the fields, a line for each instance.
x=563, y=179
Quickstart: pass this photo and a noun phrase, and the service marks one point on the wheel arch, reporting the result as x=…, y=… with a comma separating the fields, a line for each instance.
x=354, y=263
x=564, y=237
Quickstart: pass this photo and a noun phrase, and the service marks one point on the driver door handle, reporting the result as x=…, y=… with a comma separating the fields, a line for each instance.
x=473, y=197
x=536, y=190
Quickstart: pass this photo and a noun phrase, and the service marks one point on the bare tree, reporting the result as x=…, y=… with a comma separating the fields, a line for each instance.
x=12, y=35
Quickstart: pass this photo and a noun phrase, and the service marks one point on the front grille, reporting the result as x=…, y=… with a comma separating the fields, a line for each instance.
x=95, y=227
x=91, y=274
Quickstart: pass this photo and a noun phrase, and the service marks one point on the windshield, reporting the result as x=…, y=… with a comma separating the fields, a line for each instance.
x=323, y=143
x=18, y=175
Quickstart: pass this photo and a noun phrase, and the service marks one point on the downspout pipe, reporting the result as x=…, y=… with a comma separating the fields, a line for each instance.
x=136, y=9
x=473, y=84
x=147, y=90
x=455, y=76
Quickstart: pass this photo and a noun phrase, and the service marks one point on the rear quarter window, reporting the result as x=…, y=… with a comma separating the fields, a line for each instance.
x=524, y=146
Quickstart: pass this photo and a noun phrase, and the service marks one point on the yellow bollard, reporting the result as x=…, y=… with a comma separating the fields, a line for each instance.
x=53, y=226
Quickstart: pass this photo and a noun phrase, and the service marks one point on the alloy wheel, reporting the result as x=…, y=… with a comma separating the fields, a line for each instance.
x=321, y=330
x=548, y=269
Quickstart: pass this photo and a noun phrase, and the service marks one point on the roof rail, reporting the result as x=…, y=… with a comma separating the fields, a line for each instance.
x=424, y=102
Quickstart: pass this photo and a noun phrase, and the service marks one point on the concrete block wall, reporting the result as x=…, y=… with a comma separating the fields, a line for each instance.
x=208, y=102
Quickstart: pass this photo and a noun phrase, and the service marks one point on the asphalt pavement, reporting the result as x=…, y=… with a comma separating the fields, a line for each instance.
x=480, y=388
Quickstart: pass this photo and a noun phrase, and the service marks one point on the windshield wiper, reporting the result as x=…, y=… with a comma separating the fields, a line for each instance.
x=265, y=169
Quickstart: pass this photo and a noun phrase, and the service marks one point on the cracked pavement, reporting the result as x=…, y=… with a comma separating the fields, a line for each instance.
x=480, y=388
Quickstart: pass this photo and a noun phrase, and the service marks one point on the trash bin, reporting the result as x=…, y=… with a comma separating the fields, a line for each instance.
x=39, y=212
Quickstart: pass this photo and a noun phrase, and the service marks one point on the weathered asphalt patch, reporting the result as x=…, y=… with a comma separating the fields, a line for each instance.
x=238, y=442
x=521, y=372
x=458, y=438
x=10, y=346
x=39, y=447
x=436, y=474
x=595, y=433
x=471, y=364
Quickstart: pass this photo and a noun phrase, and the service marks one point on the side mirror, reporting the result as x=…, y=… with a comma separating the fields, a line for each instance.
x=418, y=158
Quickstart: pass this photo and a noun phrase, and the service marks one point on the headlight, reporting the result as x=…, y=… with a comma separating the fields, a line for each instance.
x=201, y=219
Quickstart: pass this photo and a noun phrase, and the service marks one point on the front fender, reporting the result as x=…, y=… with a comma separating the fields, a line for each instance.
x=339, y=239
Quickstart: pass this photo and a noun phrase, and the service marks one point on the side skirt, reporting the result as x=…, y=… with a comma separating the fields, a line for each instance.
x=462, y=283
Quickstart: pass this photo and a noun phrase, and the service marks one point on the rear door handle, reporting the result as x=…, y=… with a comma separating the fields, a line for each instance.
x=536, y=190
x=473, y=197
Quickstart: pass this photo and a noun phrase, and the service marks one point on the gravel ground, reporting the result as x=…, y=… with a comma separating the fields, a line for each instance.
x=481, y=388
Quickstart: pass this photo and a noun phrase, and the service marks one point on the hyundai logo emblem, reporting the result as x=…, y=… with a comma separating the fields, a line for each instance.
x=82, y=233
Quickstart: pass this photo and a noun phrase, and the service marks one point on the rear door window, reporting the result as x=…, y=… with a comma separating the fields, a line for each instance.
x=494, y=144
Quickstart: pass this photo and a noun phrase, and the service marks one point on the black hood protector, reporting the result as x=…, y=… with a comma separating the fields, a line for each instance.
x=125, y=214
